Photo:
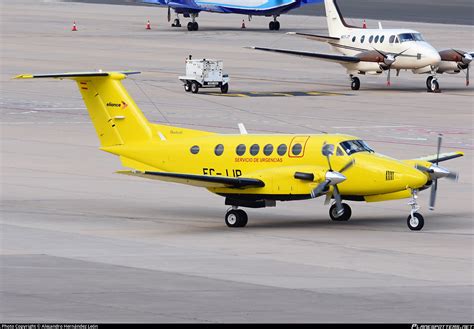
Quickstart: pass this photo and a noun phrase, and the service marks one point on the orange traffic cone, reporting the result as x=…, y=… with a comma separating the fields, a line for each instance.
x=364, y=25
x=74, y=27
x=243, y=25
x=148, y=26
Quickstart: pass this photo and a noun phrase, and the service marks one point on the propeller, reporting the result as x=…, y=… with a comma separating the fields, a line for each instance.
x=332, y=178
x=437, y=172
x=388, y=60
x=466, y=60
x=169, y=14
x=462, y=58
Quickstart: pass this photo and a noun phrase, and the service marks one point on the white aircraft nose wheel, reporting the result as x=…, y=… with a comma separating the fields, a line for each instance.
x=346, y=215
x=355, y=83
x=236, y=218
x=415, y=222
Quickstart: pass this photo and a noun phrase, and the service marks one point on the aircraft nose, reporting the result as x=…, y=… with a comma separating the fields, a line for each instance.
x=432, y=56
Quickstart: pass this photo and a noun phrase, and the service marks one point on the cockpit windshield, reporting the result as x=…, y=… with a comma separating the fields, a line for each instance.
x=404, y=37
x=354, y=146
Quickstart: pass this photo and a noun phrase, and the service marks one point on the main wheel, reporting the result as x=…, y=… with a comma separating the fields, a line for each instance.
x=271, y=25
x=190, y=26
x=236, y=218
x=277, y=25
x=434, y=86
x=176, y=23
x=195, y=26
x=428, y=82
x=225, y=88
x=355, y=83
x=187, y=87
x=194, y=87
x=416, y=222
x=346, y=214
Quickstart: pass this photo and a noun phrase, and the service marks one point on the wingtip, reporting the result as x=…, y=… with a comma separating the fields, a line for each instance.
x=23, y=76
x=292, y=33
x=249, y=47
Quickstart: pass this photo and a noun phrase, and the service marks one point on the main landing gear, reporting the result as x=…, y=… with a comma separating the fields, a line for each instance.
x=432, y=84
x=193, y=25
x=355, y=83
x=236, y=217
x=415, y=221
x=274, y=25
x=176, y=23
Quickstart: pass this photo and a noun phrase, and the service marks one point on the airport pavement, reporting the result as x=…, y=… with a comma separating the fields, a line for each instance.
x=80, y=243
x=429, y=11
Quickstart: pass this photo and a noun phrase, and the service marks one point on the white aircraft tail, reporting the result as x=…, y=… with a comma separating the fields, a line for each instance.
x=336, y=24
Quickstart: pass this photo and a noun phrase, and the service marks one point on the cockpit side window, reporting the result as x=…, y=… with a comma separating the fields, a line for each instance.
x=339, y=151
x=354, y=146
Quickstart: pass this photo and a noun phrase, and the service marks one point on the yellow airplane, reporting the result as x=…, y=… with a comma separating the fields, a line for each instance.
x=252, y=170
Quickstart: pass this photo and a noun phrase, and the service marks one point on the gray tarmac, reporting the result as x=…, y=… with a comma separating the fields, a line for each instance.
x=429, y=11
x=80, y=243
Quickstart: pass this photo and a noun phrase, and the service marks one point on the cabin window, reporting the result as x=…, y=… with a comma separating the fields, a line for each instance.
x=391, y=39
x=194, y=149
x=362, y=38
x=282, y=149
x=254, y=149
x=296, y=149
x=382, y=38
x=268, y=149
x=240, y=149
x=376, y=39
x=219, y=149
x=371, y=39
x=353, y=39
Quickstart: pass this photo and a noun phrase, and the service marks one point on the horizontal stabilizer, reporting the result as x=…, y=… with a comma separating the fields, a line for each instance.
x=72, y=75
x=197, y=180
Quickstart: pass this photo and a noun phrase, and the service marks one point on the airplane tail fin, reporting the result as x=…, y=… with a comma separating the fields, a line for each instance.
x=116, y=117
x=336, y=24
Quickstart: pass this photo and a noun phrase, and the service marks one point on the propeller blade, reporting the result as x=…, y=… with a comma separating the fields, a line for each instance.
x=169, y=13
x=328, y=198
x=434, y=189
x=347, y=166
x=453, y=176
x=337, y=197
x=388, y=77
x=440, y=139
x=320, y=188
x=467, y=75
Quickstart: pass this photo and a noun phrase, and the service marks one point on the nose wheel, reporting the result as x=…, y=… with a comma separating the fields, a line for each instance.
x=415, y=221
x=274, y=25
x=355, y=83
x=344, y=217
x=432, y=84
x=236, y=218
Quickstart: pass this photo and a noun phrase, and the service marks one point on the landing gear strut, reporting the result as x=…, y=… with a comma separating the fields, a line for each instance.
x=274, y=25
x=345, y=216
x=415, y=221
x=355, y=82
x=193, y=25
x=236, y=217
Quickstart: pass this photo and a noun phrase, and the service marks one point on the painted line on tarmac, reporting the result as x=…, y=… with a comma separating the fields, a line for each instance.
x=278, y=94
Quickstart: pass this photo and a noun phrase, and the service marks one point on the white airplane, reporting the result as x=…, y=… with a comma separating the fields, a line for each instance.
x=372, y=51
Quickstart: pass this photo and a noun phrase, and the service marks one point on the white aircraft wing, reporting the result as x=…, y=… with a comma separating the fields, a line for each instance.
x=327, y=57
x=316, y=37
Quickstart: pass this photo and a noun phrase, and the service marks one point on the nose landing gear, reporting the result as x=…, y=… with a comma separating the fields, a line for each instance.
x=415, y=220
x=345, y=216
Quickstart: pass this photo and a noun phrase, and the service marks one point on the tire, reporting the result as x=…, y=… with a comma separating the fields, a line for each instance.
x=187, y=87
x=428, y=82
x=195, y=26
x=190, y=26
x=225, y=88
x=355, y=83
x=236, y=218
x=271, y=25
x=194, y=87
x=346, y=215
x=417, y=223
x=434, y=86
x=277, y=25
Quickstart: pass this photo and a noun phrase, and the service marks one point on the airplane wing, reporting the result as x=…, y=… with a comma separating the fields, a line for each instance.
x=442, y=157
x=327, y=57
x=316, y=37
x=197, y=180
